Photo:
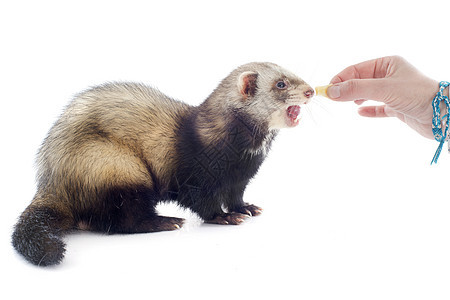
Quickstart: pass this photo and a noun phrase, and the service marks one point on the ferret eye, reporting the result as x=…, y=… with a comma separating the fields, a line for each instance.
x=281, y=85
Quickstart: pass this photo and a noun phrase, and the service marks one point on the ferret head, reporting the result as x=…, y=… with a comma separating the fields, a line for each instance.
x=263, y=96
x=271, y=94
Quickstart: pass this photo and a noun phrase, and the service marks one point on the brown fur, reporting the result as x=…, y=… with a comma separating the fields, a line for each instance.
x=126, y=134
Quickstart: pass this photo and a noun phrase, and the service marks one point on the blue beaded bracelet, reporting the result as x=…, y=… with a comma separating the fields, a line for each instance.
x=437, y=120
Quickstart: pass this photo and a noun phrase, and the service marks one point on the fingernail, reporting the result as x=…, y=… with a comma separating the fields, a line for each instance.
x=334, y=91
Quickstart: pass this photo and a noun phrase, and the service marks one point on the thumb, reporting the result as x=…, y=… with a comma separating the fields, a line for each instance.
x=357, y=89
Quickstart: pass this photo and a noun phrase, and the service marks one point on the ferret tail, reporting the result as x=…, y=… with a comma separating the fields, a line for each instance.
x=38, y=233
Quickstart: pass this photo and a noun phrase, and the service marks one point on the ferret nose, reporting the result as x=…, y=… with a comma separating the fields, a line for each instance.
x=309, y=93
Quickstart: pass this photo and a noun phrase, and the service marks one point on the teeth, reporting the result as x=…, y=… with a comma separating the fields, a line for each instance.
x=298, y=116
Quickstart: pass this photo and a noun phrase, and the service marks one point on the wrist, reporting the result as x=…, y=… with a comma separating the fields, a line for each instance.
x=441, y=117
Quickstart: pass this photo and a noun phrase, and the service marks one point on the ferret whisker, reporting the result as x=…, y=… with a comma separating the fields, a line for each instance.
x=320, y=104
x=313, y=116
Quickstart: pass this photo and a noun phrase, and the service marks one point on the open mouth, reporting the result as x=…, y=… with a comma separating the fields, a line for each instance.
x=293, y=115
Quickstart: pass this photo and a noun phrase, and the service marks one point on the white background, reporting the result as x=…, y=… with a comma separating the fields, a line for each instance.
x=353, y=210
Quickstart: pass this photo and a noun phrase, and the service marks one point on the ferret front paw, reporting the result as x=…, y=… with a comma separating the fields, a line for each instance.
x=249, y=210
x=233, y=218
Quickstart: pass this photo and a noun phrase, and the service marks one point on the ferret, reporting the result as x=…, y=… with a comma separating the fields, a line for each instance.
x=119, y=149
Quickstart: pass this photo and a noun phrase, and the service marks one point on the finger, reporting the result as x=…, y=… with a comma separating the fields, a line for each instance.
x=357, y=89
x=375, y=68
x=379, y=111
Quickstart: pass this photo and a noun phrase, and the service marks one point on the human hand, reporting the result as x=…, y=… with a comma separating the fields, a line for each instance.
x=406, y=93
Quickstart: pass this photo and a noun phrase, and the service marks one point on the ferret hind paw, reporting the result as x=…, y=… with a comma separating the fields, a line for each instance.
x=233, y=218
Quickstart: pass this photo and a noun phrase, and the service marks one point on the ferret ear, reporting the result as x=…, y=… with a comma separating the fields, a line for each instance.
x=247, y=84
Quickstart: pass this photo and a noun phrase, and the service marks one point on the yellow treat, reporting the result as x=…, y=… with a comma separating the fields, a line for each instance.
x=322, y=90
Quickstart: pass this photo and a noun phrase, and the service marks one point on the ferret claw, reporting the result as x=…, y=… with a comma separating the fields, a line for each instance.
x=249, y=210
